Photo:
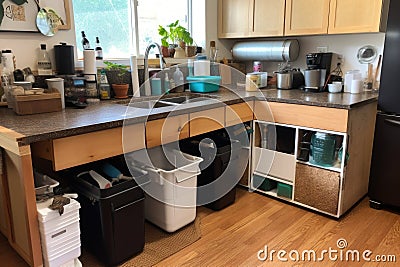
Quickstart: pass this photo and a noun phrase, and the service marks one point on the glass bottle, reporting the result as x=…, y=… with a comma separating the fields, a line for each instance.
x=213, y=52
x=43, y=61
x=85, y=41
x=98, y=50
x=179, y=82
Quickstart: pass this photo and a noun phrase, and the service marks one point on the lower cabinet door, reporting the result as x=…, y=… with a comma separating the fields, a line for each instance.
x=317, y=188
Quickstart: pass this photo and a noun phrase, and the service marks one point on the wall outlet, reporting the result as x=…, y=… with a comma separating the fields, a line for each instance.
x=322, y=49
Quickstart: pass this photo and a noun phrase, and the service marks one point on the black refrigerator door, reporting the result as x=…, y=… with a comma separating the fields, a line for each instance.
x=389, y=90
x=384, y=184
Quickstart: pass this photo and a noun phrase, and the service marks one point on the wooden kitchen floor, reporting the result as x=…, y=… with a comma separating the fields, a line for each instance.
x=233, y=236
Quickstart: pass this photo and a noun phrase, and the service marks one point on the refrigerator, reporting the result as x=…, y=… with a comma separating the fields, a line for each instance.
x=384, y=184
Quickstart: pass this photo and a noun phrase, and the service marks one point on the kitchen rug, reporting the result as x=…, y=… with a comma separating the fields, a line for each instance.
x=158, y=245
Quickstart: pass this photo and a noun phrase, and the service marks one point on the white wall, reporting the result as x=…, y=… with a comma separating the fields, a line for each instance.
x=25, y=46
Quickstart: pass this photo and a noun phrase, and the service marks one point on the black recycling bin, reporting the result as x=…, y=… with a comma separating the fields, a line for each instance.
x=112, y=219
x=213, y=167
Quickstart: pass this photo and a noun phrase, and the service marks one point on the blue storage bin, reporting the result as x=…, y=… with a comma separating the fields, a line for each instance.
x=204, y=84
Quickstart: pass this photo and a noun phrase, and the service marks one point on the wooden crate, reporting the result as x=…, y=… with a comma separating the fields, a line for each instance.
x=39, y=103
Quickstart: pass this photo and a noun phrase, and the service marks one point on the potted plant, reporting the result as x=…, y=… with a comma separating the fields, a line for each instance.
x=116, y=75
x=172, y=34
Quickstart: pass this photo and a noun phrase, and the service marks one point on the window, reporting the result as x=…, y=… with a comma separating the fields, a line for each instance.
x=113, y=22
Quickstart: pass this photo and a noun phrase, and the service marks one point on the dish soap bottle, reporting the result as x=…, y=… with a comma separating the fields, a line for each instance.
x=178, y=78
x=43, y=62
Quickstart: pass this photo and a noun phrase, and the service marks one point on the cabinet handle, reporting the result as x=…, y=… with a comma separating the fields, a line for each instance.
x=396, y=123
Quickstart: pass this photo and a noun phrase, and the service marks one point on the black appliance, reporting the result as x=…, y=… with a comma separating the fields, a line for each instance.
x=384, y=184
x=65, y=59
x=319, y=66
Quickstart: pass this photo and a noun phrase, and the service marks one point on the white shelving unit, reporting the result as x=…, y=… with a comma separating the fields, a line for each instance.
x=278, y=160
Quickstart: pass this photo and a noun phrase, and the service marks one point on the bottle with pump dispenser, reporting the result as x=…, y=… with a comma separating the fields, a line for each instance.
x=179, y=81
x=43, y=61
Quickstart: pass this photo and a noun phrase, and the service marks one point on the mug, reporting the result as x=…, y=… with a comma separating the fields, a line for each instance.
x=57, y=84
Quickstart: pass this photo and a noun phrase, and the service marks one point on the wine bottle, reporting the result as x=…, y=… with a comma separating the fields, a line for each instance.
x=85, y=41
x=98, y=50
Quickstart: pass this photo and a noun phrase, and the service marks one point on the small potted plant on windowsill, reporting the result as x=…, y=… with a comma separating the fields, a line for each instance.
x=116, y=76
x=173, y=34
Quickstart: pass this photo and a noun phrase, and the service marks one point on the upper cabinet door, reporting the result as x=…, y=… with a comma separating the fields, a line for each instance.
x=269, y=17
x=235, y=18
x=355, y=16
x=307, y=17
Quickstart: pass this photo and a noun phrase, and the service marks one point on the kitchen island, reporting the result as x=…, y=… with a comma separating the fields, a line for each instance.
x=58, y=136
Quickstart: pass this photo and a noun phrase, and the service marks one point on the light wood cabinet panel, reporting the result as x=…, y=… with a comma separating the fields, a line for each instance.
x=206, y=121
x=269, y=17
x=235, y=18
x=239, y=113
x=355, y=16
x=4, y=203
x=167, y=130
x=84, y=148
x=306, y=17
x=331, y=119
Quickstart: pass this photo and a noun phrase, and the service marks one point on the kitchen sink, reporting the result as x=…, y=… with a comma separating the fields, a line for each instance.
x=184, y=99
x=149, y=104
x=167, y=101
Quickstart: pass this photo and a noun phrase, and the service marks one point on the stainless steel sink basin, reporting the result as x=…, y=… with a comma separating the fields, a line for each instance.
x=167, y=101
x=149, y=104
x=184, y=99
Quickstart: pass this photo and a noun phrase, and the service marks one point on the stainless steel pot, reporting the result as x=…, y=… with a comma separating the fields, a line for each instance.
x=284, y=80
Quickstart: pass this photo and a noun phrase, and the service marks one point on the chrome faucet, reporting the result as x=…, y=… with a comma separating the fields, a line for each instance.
x=146, y=65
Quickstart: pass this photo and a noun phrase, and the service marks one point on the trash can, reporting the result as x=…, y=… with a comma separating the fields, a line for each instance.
x=213, y=167
x=170, y=201
x=112, y=219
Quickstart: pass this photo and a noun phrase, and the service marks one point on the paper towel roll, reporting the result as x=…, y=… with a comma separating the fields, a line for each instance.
x=201, y=68
x=89, y=62
x=135, y=77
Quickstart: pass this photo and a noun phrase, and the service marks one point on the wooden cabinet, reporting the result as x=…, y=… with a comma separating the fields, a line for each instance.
x=283, y=167
x=305, y=17
x=265, y=18
x=357, y=16
x=206, y=121
x=250, y=18
x=239, y=113
x=84, y=148
x=234, y=18
x=167, y=130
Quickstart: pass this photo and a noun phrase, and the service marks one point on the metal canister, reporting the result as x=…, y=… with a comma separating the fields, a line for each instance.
x=257, y=66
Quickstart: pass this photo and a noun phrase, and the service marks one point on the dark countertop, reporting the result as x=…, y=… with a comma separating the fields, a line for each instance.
x=109, y=114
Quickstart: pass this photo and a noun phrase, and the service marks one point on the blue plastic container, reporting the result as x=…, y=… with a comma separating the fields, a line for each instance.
x=204, y=84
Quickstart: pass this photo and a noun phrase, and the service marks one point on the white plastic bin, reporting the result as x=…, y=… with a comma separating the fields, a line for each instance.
x=59, y=234
x=170, y=201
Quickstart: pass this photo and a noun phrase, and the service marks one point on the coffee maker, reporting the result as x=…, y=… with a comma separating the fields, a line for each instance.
x=319, y=66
